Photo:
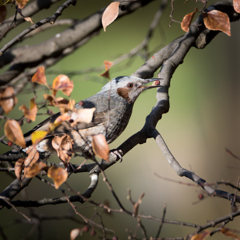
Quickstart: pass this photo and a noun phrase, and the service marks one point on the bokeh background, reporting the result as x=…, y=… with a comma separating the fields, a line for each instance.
x=203, y=120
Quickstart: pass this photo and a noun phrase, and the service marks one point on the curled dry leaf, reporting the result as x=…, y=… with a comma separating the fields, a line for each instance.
x=62, y=82
x=31, y=159
x=13, y=132
x=110, y=14
x=63, y=147
x=3, y=13
x=37, y=136
x=100, y=146
x=187, y=19
x=7, y=99
x=21, y=3
x=82, y=115
x=34, y=169
x=31, y=112
x=200, y=236
x=75, y=233
x=39, y=76
x=236, y=5
x=58, y=175
x=19, y=165
x=107, y=65
x=55, y=101
x=218, y=21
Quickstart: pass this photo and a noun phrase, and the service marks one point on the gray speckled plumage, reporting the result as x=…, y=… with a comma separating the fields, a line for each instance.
x=113, y=105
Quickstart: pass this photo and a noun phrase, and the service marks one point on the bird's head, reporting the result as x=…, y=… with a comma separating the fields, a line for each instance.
x=129, y=87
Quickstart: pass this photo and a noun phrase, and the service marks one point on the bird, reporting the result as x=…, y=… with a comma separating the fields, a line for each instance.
x=113, y=108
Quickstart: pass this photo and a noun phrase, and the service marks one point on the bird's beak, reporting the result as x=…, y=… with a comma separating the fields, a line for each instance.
x=156, y=83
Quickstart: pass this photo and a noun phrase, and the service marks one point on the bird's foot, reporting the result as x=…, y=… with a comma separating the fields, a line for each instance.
x=117, y=153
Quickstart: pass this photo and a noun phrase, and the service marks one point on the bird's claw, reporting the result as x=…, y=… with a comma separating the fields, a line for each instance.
x=118, y=153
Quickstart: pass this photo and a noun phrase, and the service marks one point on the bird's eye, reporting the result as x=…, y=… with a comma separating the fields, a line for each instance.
x=130, y=85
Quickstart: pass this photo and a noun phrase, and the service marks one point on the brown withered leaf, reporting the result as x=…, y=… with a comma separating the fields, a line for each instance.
x=21, y=3
x=62, y=82
x=236, y=5
x=39, y=76
x=63, y=147
x=218, y=21
x=37, y=136
x=57, y=102
x=110, y=14
x=100, y=146
x=75, y=233
x=34, y=169
x=3, y=13
x=107, y=65
x=82, y=115
x=13, y=132
x=58, y=175
x=31, y=112
x=7, y=99
x=201, y=236
x=19, y=165
x=187, y=19
x=32, y=158
x=229, y=234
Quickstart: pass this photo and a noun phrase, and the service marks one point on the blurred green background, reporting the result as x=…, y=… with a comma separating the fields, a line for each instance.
x=203, y=120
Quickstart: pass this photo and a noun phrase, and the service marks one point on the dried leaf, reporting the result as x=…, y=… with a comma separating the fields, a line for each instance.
x=8, y=99
x=100, y=146
x=58, y=175
x=19, y=165
x=62, y=82
x=187, y=19
x=3, y=13
x=82, y=115
x=110, y=14
x=57, y=102
x=63, y=146
x=13, y=132
x=21, y=3
x=75, y=233
x=31, y=112
x=39, y=76
x=107, y=65
x=229, y=234
x=236, y=5
x=37, y=136
x=218, y=21
x=34, y=169
x=200, y=236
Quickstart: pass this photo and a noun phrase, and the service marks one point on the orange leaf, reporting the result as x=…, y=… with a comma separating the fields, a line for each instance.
x=218, y=21
x=3, y=13
x=100, y=146
x=14, y=133
x=37, y=136
x=8, y=99
x=35, y=169
x=21, y=3
x=58, y=175
x=107, y=65
x=200, y=236
x=229, y=234
x=187, y=19
x=19, y=165
x=236, y=5
x=39, y=76
x=110, y=14
x=31, y=112
x=62, y=82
